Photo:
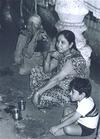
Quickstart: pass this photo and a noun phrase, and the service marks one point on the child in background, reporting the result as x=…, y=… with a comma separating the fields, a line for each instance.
x=84, y=120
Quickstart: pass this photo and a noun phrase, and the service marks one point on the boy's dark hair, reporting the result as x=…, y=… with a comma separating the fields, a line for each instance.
x=81, y=85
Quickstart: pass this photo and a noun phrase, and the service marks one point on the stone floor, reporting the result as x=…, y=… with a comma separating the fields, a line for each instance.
x=13, y=85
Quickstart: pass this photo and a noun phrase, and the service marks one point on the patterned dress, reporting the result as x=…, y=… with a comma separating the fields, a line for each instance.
x=58, y=95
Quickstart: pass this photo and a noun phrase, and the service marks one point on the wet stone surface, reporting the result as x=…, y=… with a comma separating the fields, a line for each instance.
x=10, y=95
x=30, y=128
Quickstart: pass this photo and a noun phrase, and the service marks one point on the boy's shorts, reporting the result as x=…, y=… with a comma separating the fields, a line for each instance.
x=85, y=130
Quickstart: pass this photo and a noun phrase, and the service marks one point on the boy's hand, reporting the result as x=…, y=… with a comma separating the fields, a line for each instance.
x=53, y=130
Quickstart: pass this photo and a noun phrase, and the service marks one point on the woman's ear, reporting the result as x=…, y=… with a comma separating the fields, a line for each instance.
x=70, y=46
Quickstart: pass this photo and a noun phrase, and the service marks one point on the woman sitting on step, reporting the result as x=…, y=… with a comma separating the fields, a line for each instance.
x=50, y=82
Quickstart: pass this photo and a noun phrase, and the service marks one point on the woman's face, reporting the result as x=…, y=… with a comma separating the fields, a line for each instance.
x=62, y=44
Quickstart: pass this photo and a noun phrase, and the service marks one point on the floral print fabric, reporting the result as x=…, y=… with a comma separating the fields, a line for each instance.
x=58, y=95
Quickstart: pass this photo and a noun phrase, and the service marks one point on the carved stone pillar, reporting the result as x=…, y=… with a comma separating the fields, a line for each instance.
x=71, y=14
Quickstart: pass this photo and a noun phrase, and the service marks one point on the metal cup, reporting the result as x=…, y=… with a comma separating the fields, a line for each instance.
x=22, y=105
x=16, y=114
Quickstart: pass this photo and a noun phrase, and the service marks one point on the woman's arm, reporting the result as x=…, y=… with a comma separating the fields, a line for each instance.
x=67, y=69
x=50, y=63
